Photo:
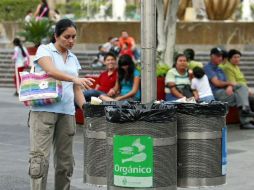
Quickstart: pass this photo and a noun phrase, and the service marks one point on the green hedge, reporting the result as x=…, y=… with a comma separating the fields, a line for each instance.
x=15, y=10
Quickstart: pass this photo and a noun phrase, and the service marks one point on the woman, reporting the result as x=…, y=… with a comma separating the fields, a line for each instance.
x=234, y=74
x=232, y=69
x=21, y=59
x=177, y=82
x=128, y=83
x=42, y=10
x=55, y=123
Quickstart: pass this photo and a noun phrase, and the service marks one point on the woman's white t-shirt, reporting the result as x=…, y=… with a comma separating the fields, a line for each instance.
x=202, y=86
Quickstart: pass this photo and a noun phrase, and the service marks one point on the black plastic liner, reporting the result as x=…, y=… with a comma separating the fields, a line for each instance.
x=215, y=108
x=91, y=110
x=155, y=113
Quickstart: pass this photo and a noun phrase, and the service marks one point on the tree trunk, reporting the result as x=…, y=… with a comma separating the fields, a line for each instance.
x=161, y=38
x=171, y=32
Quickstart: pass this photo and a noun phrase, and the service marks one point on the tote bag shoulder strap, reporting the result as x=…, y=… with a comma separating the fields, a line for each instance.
x=32, y=70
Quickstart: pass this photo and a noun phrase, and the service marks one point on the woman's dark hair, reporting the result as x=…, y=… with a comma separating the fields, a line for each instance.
x=224, y=54
x=198, y=72
x=17, y=42
x=232, y=52
x=44, y=1
x=176, y=58
x=125, y=60
x=189, y=53
x=61, y=26
x=109, y=54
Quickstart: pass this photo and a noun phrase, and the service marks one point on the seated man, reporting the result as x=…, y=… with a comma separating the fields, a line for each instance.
x=226, y=91
x=106, y=81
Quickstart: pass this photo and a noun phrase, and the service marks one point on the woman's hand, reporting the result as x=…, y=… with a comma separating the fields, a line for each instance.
x=229, y=90
x=196, y=97
x=111, y=92
x=84, y=83
x=118, y=98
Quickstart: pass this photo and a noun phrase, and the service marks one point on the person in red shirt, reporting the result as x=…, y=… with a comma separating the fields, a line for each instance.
x=125, y=38
x=106, y=81
x=126, y=50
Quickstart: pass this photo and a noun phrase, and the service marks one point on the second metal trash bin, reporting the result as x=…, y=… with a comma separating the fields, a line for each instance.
x=159, y=123
x=201, y=133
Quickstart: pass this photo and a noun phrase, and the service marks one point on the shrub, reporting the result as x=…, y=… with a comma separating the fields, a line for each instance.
x=11, y=10
x=35, y=31
x=130, y=10
x=161, y=70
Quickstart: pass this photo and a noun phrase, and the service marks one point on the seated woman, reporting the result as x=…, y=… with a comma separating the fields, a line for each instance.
x=106, y=80
x=234, y=74
x=177, y=82
x=128, y=83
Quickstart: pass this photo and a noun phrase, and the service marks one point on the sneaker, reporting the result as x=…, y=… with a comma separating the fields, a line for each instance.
x=246, y=113
x=16, y=93
x=247, y=126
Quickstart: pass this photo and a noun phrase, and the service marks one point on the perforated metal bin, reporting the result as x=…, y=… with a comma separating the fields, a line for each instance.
x=201, y=155
x=95, y=145
x=95, y=142
x=164, y=149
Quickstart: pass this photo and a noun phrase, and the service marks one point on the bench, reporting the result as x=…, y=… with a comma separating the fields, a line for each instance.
x=233, y=116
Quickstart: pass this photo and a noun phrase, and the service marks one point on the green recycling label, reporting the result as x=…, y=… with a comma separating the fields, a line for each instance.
x=133, y=161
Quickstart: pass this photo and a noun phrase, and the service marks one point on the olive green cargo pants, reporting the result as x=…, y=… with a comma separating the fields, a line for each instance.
x=47, y=129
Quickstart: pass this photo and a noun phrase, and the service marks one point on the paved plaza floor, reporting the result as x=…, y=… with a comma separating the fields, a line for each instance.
x=14, y=147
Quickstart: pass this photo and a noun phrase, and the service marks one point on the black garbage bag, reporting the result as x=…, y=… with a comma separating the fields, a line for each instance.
x=215, y=108
x=156, y=113
x=91, y=110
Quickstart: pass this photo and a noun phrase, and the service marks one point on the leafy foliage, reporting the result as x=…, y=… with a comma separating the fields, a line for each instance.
x=11, y=10
x=72, y=7
x=35, y=31
x=161, y=70
x=130, y=10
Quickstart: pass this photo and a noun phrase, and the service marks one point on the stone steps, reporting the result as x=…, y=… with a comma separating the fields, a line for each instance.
x=86, y=58
x=7, y=66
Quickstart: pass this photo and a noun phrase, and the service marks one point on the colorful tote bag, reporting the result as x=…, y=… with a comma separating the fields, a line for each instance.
x=39, y=89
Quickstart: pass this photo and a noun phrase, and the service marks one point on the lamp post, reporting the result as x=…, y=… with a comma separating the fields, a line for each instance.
x=148, y=50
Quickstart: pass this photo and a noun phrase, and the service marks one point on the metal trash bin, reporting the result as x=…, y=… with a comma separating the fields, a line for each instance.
x=157, y=122
x=95, y=145
x=201, y=153
x=95, y=142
